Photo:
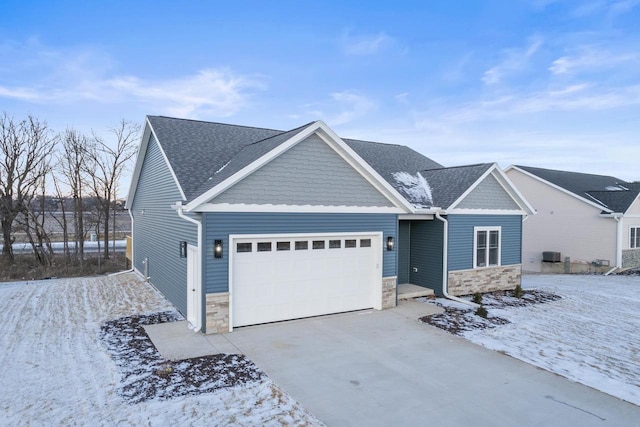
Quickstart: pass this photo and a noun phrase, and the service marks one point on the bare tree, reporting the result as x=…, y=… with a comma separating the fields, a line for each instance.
x=32, y=221
x=25, y=147
x=58, y=212
x=107, y=165
x=72, y=162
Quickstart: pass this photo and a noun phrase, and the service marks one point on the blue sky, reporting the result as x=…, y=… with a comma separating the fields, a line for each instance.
x=543, y=83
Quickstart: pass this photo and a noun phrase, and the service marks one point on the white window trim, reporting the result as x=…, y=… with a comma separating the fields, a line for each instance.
x=475, y=246
x=631, y=242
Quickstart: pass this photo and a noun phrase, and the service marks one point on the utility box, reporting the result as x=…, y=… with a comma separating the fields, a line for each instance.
x=549, y=256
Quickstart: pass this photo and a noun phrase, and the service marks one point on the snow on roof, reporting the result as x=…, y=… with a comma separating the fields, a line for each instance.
x=415, y=188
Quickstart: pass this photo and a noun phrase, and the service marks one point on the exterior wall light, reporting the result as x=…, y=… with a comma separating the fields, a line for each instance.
x=217, y=248
x=183, y=249
x=389, y=243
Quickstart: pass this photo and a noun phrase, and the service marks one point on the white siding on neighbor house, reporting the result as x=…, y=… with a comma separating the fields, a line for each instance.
x=562, y=224
x=310, y=173
x=488, y=194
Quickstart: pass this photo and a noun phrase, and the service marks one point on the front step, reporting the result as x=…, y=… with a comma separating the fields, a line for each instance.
x=409, y=291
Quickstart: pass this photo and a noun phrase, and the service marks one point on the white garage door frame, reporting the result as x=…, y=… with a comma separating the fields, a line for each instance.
x=376, y=244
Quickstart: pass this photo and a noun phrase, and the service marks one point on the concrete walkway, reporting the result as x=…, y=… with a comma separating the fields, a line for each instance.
x=381, y=368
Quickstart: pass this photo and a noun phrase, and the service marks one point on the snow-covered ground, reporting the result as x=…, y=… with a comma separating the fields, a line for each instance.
x=57, y=371
x=591, y=335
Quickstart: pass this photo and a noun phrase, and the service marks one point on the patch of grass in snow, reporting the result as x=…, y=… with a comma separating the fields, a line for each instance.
x=146, y=375
x=458, y=319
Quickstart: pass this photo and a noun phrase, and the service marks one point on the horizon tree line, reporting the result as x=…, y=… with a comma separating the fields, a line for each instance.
x=82, y=168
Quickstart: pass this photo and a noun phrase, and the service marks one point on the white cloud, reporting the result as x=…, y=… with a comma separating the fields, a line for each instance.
x=606, y=8
x=514, y=60
x=589, y=58
x=342, y=107
x=365, y=44
x=62, y=77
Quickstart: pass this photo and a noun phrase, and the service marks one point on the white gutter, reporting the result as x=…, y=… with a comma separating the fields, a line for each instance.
x=445, y=269
x=618, y=218
x=179, y=208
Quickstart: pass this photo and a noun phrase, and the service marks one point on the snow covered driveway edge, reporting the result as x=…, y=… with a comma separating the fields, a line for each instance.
x=56, y=370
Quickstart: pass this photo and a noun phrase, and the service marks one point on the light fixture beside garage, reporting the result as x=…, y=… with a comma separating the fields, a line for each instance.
x=389, y=243
x=217, y=248
x=183, y=249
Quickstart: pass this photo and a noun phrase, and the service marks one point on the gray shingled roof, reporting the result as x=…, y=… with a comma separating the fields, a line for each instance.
x=245, y=157
x=197, y=149
x=608, y=191
x=617, y=201
x=448, y=184
x=204, y=154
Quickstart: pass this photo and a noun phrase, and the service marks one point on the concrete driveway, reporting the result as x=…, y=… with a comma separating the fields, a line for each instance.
x=384, y=368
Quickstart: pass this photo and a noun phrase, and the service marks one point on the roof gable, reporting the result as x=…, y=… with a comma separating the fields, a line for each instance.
x=310, y=173
x=263, y=152
x=149, y=138
x=488, y=194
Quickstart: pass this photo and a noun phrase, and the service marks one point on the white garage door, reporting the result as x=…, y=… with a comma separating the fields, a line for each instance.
x=289, y=277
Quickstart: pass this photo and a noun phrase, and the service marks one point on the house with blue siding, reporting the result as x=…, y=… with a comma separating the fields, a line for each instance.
x=239, y=226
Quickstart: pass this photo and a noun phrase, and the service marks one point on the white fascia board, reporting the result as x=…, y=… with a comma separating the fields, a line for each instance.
x=472, y=187
x=335, y=142
x=486, y=212
x=413, y=217
x=142, y=152
x=239, y=207
x=557, y=187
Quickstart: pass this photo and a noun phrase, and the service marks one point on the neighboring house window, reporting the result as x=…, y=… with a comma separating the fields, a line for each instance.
x=634, y=239
x=486, y=246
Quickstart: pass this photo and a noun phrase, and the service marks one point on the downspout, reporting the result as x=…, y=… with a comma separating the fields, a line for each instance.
x=618, y=218
x=179, y=209
x=445, y=269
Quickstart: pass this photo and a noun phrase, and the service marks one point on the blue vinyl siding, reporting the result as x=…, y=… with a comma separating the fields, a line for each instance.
x=404, y=243
x=221, y=225
x=460, y=253
x=426, y=254
x=158, y=231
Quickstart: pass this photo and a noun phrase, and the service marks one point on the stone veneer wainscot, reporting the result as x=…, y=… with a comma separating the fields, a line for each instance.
x=468, y=282
x=217, y=313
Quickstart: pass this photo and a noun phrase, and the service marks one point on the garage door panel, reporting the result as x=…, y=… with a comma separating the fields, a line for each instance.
x=279, y=285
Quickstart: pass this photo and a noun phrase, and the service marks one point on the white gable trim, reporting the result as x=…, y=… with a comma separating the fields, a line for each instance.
x=557, y=187
x=241, y=207
x=505, y=183
x=142, y=153
x=329, y=137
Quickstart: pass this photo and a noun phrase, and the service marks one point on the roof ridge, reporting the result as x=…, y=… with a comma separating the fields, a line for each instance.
x=218, y=123
x=572, y=172
x=459, y=166
x=374, y=142
x=279, y=134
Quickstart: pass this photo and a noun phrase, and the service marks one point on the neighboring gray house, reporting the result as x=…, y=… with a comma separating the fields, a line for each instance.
x=238, y=225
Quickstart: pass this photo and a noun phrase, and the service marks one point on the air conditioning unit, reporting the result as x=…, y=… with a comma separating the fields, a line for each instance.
x=548, y=256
